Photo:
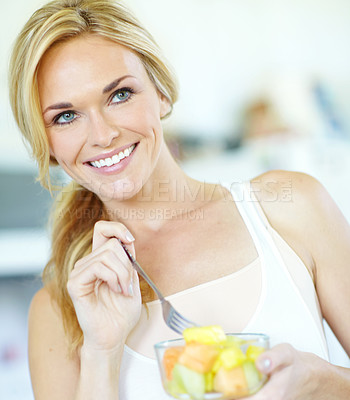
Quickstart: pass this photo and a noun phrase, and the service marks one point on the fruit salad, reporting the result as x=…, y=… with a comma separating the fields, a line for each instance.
x=208, y=364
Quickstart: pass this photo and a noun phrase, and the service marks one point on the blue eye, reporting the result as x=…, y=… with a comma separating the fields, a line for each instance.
x=122, y=95
x=65, y=118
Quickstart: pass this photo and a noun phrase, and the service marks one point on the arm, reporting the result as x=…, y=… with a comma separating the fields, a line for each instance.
x=57, y=375
x=106, y=315
x=315, y=228
x=53, y=374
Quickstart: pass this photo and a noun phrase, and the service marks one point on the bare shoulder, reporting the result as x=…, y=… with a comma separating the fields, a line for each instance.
x=49, y=359
x=42, y=302
x=285, y=186
x=301, y=210
x=44, y=315
x=293, y=197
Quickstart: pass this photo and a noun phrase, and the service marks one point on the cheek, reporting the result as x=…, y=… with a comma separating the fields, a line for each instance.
x=143, y=118
x=64, y=146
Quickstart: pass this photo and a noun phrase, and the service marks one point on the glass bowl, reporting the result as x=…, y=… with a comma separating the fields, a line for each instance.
x=216, y=371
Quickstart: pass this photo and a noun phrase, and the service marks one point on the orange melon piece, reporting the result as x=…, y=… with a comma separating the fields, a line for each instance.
x=231, y=382
x=170, y=358
x=199, y=357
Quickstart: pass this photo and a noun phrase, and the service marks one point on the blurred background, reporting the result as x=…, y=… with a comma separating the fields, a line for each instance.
x=263, y=85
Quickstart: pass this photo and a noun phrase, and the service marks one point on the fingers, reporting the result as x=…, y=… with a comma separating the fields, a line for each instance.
x=107, y=263
x=104, y=230
x=109, y=234
x=86, y=281
x=276, y=358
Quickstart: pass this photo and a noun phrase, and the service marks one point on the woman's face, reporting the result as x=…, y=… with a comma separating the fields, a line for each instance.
x=102, y=115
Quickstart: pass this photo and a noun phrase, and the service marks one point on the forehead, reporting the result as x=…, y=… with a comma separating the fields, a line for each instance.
x=88, y=58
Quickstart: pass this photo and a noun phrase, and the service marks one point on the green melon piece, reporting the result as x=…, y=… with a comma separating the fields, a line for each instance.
x=188, y=381
x=175, y=387
x=253, y=376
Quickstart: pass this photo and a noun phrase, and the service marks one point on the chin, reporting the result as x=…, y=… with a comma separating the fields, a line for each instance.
x=118, y=191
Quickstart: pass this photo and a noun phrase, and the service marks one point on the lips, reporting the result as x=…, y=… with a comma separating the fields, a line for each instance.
x=115, y=163
x=116, y=159
x=111, y=154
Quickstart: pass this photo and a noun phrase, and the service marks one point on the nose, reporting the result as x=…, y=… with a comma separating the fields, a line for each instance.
x=102, y=129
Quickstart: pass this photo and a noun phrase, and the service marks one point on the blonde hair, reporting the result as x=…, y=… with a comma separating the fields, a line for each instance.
x=76, y=210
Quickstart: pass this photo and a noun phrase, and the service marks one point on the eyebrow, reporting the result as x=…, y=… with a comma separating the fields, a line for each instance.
x=106, y=89
x=115, y=83
x=58, y=106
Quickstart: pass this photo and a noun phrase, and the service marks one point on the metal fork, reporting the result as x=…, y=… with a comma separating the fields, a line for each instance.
x=172, y=318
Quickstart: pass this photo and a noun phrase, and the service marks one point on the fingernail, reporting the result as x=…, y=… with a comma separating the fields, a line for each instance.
x=264, y=365
x=129, y=236
x=131, y=289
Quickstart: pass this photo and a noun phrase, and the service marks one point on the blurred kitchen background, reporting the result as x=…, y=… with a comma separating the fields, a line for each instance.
x=263, y=85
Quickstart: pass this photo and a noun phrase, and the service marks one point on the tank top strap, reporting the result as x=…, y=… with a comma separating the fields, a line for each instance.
x=250, y=195
x=252, y=215
x=257, y=223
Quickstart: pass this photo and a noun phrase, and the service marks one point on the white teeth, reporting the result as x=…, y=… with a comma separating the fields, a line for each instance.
x=114, y=160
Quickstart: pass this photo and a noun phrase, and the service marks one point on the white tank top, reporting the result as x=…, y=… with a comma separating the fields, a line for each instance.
x=287, y=309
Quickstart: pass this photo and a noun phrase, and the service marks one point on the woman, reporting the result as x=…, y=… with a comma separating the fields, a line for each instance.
x=89, y=88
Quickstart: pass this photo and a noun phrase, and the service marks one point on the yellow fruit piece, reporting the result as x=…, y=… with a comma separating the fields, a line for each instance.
x=216, y=366
x=232, y=357
x=198, y=357
x=209, y=381
x=253, y=352
x=213, y=334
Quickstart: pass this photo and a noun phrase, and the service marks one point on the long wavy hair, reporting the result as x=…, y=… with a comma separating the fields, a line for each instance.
x=75, y=210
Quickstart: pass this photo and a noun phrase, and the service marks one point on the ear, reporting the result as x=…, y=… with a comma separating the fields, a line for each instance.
x=164, y=105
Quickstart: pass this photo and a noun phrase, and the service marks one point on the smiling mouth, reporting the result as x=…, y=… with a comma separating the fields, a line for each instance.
x=116, y=159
